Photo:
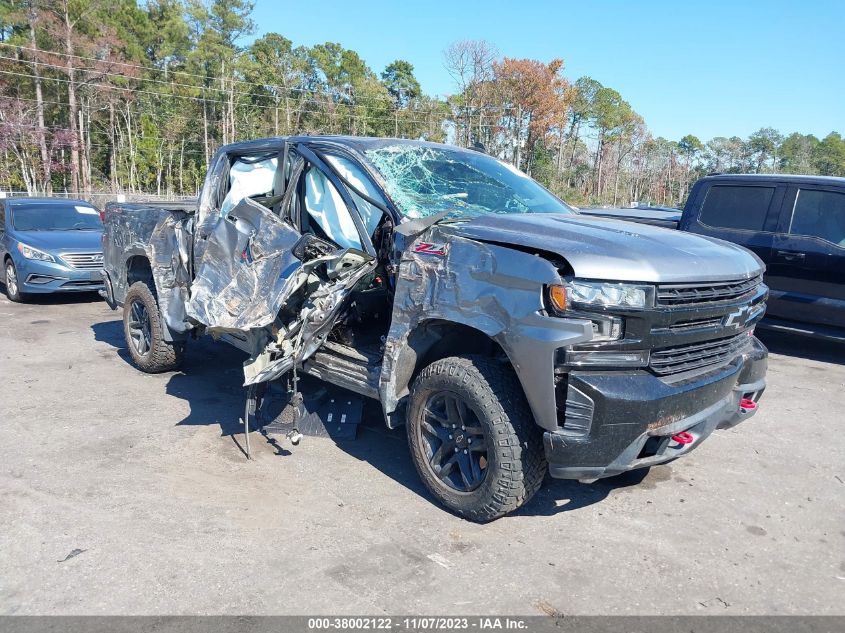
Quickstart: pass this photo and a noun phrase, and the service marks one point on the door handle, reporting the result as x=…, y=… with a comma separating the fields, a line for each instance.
x=790, y=256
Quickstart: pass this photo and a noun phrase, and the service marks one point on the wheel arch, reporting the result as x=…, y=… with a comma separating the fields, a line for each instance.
x=429, y=341
x=435, y=339
x=138, y=268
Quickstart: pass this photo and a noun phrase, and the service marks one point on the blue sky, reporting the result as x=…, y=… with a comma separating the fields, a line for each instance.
x=714, y=68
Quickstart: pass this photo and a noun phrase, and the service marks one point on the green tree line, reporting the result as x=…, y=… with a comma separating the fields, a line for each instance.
x=127, y=96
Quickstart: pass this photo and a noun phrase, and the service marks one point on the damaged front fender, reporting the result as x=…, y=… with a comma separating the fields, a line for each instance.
x=490, y=288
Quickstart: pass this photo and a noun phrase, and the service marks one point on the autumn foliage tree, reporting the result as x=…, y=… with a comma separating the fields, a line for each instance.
x=134, y=96
x=531, y=97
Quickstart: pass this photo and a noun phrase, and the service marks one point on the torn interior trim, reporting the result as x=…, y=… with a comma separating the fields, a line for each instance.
x=296, y=341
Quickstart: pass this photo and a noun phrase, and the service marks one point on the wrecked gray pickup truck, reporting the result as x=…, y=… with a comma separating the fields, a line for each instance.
x=508, y=333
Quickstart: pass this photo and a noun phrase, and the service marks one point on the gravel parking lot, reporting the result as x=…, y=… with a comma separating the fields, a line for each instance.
x=124, y=493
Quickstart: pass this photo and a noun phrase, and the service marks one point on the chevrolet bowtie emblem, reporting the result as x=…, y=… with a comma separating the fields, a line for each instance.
x=738, y=318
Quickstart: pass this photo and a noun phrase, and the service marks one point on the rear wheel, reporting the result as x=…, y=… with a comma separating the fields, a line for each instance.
x=13, y=289
x=472, y=437
x=143, y=329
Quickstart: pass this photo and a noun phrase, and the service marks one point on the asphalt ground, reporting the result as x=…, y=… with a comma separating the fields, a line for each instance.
x=126, y=493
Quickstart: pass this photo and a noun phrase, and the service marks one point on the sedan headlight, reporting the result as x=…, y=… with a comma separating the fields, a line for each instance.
x=609, y=295
x=34, y=253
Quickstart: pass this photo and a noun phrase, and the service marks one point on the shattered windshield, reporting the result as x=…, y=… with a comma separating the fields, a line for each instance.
x=424, y=180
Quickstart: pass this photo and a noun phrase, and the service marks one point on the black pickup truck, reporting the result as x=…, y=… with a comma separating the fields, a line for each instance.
x=795, y=224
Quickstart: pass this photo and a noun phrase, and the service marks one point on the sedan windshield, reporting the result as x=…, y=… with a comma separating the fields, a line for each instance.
x=56, y=217
x=423, y=180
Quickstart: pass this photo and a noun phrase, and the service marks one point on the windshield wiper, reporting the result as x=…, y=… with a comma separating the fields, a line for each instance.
x=418, y=225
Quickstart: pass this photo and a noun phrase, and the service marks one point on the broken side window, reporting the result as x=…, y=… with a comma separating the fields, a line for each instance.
x=250, y=176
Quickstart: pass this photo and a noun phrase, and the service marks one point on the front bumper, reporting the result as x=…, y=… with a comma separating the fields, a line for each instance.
x=38, y=277
x=634, y=416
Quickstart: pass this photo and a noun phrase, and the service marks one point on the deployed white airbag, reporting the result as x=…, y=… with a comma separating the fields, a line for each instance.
x=326, y=207
x=248, y=178
x=352, y=172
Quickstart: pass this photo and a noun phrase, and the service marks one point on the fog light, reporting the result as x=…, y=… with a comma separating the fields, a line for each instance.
x=41, y=279
x=607, y=358
x=606, y=328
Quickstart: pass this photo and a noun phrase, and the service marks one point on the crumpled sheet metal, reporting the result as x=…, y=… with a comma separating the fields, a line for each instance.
x=162, y=234
x=169, y=256
x=247, y=273
x=247, y=270
x=311, y=327
x=490, y=288
x=208, y=211
x=322, y=308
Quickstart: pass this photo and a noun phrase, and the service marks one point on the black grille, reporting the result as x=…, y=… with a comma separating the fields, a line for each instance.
x=683, y=358
x=693, y=294
x=82, y=284
x=699, y=324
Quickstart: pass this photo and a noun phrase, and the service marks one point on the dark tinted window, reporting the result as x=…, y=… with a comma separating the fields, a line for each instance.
x=55, y=217
x=736, y=207
x=819, y=214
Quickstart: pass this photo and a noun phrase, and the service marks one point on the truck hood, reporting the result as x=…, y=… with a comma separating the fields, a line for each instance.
x=601, y=248
x=62, y=241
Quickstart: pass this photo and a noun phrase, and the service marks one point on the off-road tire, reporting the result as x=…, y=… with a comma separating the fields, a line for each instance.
x=14, y=295
x=516, y=462
x=162, y=355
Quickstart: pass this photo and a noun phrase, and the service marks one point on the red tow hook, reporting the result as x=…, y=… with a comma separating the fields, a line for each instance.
x=747, y=404
x=683, y=438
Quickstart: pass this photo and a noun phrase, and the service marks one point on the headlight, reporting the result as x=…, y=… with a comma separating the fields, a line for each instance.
x=606, y=295
x=34, y=253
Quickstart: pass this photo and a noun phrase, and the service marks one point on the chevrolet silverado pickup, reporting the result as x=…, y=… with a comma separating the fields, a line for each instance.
x=510, y=335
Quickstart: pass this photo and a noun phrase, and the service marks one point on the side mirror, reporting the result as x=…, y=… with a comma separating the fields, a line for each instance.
x=309, y=247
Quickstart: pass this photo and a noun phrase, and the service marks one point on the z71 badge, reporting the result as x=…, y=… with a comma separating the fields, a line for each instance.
x=427, y=248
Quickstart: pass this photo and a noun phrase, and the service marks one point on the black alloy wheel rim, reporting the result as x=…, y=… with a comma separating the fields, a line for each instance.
x=454, y=442
x=139, y=327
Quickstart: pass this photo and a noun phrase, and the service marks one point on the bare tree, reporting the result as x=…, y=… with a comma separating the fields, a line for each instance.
x=470, y=64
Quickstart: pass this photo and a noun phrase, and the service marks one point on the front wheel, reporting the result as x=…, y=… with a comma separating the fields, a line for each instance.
x=13, y=289
x=473, y=439
x=143, y=328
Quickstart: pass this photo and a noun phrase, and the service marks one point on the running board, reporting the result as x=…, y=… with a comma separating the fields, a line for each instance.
x=803, y=329
x=359, y=374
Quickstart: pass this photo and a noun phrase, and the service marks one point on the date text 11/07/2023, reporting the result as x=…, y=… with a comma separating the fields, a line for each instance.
x=432, y=623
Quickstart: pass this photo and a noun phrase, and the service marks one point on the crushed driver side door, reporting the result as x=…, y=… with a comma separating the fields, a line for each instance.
x=260, y=273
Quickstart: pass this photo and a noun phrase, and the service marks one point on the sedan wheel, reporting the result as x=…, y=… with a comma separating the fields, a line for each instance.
x=13, y=290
